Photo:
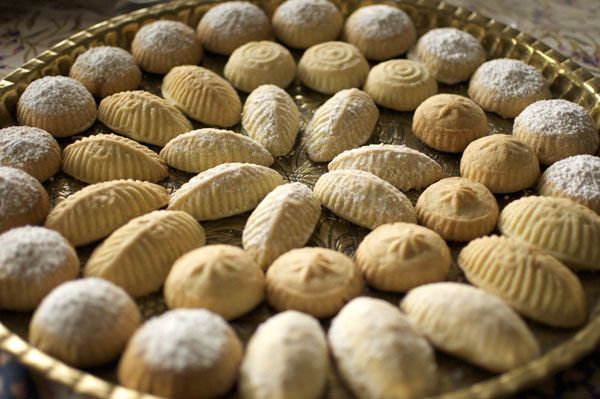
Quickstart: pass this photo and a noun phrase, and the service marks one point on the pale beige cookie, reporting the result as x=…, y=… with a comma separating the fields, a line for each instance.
x=317, y=281
x=332, y=66
x=472, y=325
x=448, y=122
x=202, y=95
x=529, y=280
x=400, y=84
x=139, y=255
x=502, y=163
x=182, y=354
x=84, y=323
x=221, y=278
x=61, y=106
x=343, y=122
x=99, y=209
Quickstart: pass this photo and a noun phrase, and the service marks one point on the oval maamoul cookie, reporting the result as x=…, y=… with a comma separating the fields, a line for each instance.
x=566, y=230
x=85, y=322
x=363, y=198
x=61, y=106
x=287, y=357
x=33, y=261
x=284, y=220
x=532, y=282
x=332, y=66
x=271, y=117
x=182, y=354
x=317, y=281
x=215, y=193
x=138, y=255
x=343, y=122
x=202, y=95
x=379, y=353
x=458, y=209
x=501, y=162
x=143, y=116
x=471, y=324
x=399, y=165
x=202, y=149
x=221, y=278
x=30, y=149
x=97, y=210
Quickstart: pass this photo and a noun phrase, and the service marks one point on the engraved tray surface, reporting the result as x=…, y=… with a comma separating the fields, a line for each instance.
x=561, y=347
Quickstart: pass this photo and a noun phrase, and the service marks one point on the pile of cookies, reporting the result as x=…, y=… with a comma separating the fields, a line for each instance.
x=150, y=238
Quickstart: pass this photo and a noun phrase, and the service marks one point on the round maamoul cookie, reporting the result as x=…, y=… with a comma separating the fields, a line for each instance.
x=400, y=84
x=507, y=86
x=304, y=23
x=332, y=66
x=30, y=149
x=106, y=70
x=229, y=25
x=380, y=31
x=182, y=354
x=61, y=106
x=458, y=209
x=449, y=122
x=85, y=322
x=501, y=162
x=317, y=281
x=161, y=45
x=557, y=129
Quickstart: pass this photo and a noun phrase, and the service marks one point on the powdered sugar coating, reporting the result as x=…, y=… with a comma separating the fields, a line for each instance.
x=380, y=21
x=166, y=36
x=306, y=14
x=23, y=147
x=235, y=18
x=56, y=97
x=104, y=63
x=451, y=44
x=506, y=78
x=19, y=192
x=555, y=118
x=577, y=176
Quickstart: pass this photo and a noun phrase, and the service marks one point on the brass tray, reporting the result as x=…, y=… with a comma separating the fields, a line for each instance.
x=459, y=380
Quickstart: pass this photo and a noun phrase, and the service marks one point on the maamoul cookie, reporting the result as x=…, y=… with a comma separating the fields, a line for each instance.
x=105, y=157
x=202, y=149
x=215, y=193
x=61, y=106
x=380, y=31
x=143, y=116
x=332, y=66
x=221, y=278
x=472, y=325
x=260, y=63
x=106, y=70
x=448, y=122
x=287, y=357
x=284, y=220
x=139, y=255
x=317, y=281
x=502, y=163
x=566, y=230
x=451, y=55
x=161, y=45
x=529, y=280
x=97, y=210
x=271, y=117
x=84, y=323
x=379, y=352
x=229, y=25
x=557, y=129
x=304, y=23
x=202, y=95
x=403, y=167
x=363, y=198
x=400, y=84
x=507, y=86
x=182, y=354
x=33, y=261
x=343, y=122
x=458, y=209
x=30, y=149
x=400, y=256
